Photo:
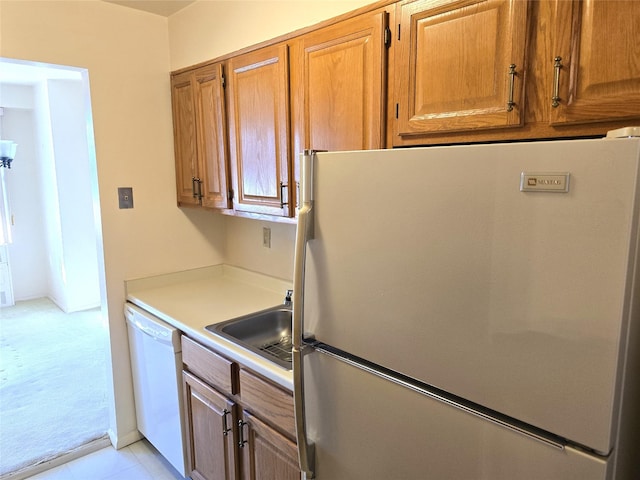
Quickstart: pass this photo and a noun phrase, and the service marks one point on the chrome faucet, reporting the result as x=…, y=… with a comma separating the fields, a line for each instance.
x=287, y=298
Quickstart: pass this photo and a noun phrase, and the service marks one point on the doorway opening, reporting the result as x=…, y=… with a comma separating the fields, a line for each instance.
x=54, y=360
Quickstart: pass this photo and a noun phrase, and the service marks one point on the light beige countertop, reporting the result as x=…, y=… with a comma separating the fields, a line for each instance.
x=193, y=299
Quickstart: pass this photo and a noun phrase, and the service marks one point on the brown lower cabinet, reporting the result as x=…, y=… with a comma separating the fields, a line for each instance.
x=212, y=440
x=267, y=455
x=231, y=436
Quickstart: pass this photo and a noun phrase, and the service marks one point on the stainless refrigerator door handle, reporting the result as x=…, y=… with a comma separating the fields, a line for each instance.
x=304, y=232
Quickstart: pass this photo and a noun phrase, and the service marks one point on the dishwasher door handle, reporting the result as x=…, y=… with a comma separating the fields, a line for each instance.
x=159, y=336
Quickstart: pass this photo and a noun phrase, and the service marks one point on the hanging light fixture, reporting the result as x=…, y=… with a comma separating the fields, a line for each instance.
x=7, y=152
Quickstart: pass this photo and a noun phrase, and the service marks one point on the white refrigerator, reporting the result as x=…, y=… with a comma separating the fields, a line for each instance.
x=469, y=312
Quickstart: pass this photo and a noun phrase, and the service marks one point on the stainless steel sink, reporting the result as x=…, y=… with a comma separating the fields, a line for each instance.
x=267, y=333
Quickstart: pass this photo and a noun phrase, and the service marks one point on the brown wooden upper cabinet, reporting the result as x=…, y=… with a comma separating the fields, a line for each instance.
x=184, y=138
x=259, y=131
x=339, y=78
x=415, y=72
x=597, y=61
x=200, y=137
x=460, y=65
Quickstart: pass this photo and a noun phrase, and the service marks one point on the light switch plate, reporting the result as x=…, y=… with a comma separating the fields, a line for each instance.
x=125, y=197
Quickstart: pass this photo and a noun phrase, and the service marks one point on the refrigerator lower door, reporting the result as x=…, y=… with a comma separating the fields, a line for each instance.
x=365, y=427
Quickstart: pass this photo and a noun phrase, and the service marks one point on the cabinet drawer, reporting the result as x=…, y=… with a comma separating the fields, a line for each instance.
x=267, y=401
x=209, y=366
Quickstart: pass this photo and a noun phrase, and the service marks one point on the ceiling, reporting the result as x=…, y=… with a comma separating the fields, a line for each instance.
x=159, y=7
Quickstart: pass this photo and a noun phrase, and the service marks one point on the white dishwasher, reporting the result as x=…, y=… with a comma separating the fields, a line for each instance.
x=156, y=365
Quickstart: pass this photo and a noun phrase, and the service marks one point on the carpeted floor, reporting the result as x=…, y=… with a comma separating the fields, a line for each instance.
x=53, y=382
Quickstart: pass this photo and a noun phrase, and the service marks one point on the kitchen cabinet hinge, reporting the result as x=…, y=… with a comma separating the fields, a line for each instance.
x=223, y=80
x=387, y=37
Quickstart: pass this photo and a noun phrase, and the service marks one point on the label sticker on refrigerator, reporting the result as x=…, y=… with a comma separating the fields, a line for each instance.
x=544, y=182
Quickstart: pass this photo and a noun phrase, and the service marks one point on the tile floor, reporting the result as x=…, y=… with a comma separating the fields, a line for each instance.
x=139, y=461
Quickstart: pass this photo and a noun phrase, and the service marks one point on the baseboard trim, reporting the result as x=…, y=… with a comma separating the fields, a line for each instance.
x=81, y=451
x=122, y=441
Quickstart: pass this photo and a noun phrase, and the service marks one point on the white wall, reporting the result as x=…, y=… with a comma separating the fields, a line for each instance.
x=245, y=250
x=206, y=29
x=16, y=96
x=126, y=53
x=72, y=176
x=49, y=210
x=53, y=254
x=28, y=247
x=28, y=257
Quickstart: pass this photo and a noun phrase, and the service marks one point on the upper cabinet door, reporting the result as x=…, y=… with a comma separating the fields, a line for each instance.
x=212, y=136
x=184, y=138
x=200, y=137
x=454, y=68
x=339, y=81
x=259, y=131
x=597, y=58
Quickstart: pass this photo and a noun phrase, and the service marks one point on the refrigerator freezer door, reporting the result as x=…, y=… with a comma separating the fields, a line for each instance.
x=374, y=429
x=433, y=263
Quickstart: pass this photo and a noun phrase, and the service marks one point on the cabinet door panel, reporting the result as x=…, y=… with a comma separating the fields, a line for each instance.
x=267, y=455
x=454, y=66
x=184, y=134
x=210, y=451
x=598, y=42
x=259, y=130
x=343, y=85
x=212, y=136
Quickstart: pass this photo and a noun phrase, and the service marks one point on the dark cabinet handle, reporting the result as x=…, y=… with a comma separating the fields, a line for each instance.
x=196, y=184
x=557, y=65
x=282, y=201
x=193, y=187
x=512, y=75
x=241, y=440
x=225, y=426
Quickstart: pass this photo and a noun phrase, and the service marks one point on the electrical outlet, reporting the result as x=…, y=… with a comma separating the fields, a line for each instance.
x=266, y=237
x=125, y=197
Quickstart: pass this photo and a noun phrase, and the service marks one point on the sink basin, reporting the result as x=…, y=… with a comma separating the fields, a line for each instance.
x=267, y=333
